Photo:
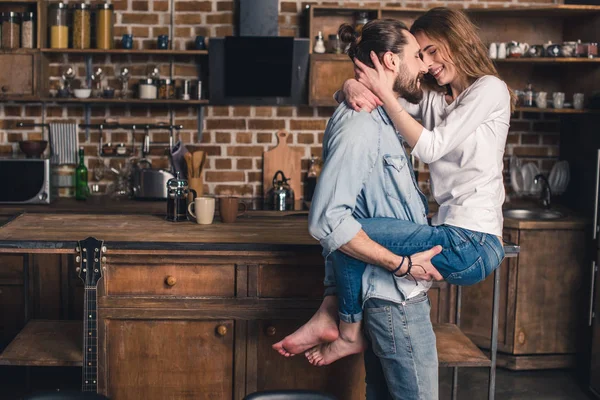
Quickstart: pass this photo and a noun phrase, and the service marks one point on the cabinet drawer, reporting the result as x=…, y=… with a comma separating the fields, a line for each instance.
x=16, y=74
x=289, y=281
x=170, y=280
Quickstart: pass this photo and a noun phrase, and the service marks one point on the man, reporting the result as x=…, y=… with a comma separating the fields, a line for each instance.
x=366, y=174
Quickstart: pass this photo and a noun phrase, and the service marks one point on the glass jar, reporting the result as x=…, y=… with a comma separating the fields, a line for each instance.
x=59, y=28
x=104, y=26
x=592, y=50
x=81, y=26
x=166, y=89
x=27, y=30
x=11, y=30
x=148, y=89
x=335, y=45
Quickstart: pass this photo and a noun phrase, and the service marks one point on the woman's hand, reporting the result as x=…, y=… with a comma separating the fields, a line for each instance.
x=359, y=97
x=375, y=79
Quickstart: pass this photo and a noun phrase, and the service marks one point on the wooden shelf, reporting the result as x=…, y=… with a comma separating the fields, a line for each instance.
x=455, y=349
x=129, y=52
x=46, y=344
x=556, y=110
x=548, y=60
x=330, y=57
x=21, y=99
x=559, y=10
x=19, y=51
x=123, y=101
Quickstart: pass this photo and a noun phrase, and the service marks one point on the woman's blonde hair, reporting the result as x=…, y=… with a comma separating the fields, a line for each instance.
x=459, y=43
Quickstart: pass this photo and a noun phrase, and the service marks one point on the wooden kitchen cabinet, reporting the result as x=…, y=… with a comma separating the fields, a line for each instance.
x=541, y=299
x=162, y=358
x=16, y=74
x=277, y=372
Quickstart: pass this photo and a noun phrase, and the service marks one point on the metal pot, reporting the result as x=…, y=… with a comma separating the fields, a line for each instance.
x=281, y=196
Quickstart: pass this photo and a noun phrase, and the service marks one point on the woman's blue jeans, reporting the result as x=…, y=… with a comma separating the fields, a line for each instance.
x=467, y=257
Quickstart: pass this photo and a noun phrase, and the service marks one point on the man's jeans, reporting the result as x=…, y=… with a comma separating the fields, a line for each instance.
x=467, y=257
x=401, y=361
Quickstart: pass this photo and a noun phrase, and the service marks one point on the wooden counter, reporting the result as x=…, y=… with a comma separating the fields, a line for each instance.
x=191, y=311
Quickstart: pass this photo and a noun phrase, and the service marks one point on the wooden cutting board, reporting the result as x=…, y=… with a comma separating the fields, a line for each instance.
x=286, y=159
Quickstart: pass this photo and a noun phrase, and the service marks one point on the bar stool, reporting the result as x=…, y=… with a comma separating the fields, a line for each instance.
x=289, y=395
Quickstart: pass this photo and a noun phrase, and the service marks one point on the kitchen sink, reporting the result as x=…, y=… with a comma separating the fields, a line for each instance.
x=517, y=213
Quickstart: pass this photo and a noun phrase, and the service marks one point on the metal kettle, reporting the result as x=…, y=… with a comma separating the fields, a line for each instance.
x=281, y=196
x=177, y=199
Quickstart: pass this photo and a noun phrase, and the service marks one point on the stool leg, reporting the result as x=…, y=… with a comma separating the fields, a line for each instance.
x=454, y=392
x=494, y=340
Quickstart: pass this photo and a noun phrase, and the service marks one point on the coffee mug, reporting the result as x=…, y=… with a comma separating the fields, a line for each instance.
x=578, y=101
x=541, y=100
x=558, y=99
x=200, y=43
x=501, y=50
x=493, y=51
x=127, y=41
x=203, y=210
x=229, y=208
x=162, y=42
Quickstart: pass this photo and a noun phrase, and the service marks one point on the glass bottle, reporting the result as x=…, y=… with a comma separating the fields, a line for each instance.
x=319, y=44
x=81, y=26
x=104, y=26
x=59, y=28
x=311, y=180
x=362, y=18
x=528, y=96
x=81, y=179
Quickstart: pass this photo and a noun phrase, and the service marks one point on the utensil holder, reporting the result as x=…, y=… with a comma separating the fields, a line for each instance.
x=197, y=184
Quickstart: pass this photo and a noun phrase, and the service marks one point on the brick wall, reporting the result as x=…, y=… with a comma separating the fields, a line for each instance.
x=234, y=137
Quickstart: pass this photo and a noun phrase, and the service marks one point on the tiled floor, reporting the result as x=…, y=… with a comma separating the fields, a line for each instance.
x=522, y=385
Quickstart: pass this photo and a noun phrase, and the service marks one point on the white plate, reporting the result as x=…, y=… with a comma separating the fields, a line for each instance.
x=530, y=170
x=564, y=176
x=516, y=179
x=553, y=178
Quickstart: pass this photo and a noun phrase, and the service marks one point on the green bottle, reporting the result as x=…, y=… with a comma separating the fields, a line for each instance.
x=81, y=179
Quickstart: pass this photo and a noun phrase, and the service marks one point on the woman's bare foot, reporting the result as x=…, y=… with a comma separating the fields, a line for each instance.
x=350, y=341
x=321, y=328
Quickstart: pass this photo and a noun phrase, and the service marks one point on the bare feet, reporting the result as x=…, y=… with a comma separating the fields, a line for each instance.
x=349, y=342
x=321, y=328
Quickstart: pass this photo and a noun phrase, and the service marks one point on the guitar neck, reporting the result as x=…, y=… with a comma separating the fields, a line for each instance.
x=89, y=382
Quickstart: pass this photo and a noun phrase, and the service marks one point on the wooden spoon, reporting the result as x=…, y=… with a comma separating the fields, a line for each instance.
x=198, y=163
x=189, y=163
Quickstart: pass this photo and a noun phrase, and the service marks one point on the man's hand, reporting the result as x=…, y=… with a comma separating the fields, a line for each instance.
x=422, y=269
x=359, y=97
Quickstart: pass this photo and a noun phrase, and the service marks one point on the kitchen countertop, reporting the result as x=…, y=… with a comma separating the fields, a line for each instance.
x=104, y=205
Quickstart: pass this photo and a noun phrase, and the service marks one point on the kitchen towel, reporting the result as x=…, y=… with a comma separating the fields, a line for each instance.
x=63, y=143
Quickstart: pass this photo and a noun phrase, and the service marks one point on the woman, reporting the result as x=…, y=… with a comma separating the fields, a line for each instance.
x=465, y=114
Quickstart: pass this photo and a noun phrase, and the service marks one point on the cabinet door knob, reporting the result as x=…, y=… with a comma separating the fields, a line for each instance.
x=4, y=89
x=171, y=280
x=222, y=330
x=271, y=331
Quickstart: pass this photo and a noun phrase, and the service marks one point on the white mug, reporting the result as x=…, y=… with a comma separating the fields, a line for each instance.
x=502, y=50
x=204, y=210
x=578, y=101
x=541, y=100
x=559, y=99
x=493, y=52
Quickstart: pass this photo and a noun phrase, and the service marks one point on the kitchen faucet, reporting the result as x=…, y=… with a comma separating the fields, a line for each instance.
x=546, y=193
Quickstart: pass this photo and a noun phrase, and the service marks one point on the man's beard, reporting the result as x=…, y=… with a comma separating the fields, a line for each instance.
x=408, y=88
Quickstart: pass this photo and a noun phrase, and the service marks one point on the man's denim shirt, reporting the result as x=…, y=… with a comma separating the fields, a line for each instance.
x=366, y=174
